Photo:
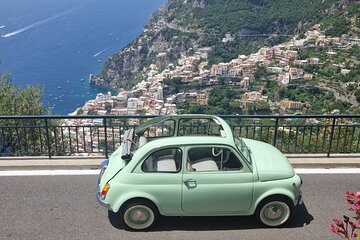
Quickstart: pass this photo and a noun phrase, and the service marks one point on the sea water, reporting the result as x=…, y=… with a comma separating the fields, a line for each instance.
x=57, y=44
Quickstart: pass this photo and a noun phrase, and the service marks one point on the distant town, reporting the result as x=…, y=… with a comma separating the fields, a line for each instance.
x=281, y=61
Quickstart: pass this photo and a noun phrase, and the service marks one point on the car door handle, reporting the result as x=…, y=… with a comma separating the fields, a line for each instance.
x=190, y=183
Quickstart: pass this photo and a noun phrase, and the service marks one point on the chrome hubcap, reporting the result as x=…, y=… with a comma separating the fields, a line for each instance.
x=274, y=212
x=139, y=216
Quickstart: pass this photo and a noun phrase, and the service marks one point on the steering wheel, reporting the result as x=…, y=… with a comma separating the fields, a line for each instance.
x=214, y=153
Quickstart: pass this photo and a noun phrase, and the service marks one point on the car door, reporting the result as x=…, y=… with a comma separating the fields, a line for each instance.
x=159, y=176
x=215, y=180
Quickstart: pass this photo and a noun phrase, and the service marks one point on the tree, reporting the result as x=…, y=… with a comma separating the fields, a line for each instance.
x=262, y=107
x=108, y=107
x=17, y=101
x=80, y=111
x=261, y=72
x=357, y=95
x=24, y=136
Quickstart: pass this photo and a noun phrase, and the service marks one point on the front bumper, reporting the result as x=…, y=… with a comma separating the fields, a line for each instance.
x=102, y=202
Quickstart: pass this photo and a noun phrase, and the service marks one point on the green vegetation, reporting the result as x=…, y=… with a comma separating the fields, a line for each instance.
x=339, y=26
x=17, y=101
x=21, y=136
x=261, y=73
x=343, y=21
x=246, y=20
x=357, y=95
x=230, y=16
x=221, y=101
x=329, y=73
x=262, y=108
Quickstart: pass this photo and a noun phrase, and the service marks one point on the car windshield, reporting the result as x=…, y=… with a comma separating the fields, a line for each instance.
x=242, y=148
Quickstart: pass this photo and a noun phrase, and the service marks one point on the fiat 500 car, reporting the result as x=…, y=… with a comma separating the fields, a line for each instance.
x=194, y=165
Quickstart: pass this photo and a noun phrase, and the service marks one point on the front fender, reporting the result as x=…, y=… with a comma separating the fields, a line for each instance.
x=276, y=191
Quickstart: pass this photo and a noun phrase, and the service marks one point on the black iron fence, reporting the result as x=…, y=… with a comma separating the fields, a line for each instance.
x=101, y=135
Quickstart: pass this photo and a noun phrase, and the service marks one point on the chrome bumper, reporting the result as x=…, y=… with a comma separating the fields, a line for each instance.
x=104, y=165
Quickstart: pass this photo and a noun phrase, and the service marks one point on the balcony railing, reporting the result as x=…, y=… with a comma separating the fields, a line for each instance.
x=100, y=135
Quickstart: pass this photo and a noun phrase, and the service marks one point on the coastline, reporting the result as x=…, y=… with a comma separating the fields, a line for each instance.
x=51, y=58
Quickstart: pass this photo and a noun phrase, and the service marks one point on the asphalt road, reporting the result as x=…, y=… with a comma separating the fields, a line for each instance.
x=64, y=207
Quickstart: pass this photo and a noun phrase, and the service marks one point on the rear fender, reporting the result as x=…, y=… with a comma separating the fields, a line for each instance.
x=132, y=195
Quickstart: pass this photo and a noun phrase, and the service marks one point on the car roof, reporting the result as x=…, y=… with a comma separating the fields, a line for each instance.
x=182, y=141
x=142, y=127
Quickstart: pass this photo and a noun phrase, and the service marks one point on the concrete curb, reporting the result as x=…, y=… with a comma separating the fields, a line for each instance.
x=297, y=160
x=50, y=164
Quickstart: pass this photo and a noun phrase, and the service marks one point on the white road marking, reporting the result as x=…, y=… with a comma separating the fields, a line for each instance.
x=20, y=173
x=48, y=173
x=327, y=170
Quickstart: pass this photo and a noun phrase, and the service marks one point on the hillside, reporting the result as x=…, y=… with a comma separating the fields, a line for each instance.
x=180, y=26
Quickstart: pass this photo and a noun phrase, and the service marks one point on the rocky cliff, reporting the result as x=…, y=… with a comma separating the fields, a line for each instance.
x=159, y=44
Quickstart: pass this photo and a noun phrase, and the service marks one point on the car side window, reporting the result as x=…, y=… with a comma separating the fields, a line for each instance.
x=164, y=160
x=204, y=159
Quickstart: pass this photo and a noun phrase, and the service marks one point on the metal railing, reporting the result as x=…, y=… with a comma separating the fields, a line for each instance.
x=101, y=135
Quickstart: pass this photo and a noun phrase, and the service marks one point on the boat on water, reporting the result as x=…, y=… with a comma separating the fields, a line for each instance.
x=99, y=61
x=81, y=80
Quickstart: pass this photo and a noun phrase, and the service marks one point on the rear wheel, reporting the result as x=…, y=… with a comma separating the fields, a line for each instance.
x=274, y=212
x=139, y=215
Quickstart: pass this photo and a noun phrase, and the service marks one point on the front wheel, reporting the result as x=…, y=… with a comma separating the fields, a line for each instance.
x=139, y=215
x=273, y=213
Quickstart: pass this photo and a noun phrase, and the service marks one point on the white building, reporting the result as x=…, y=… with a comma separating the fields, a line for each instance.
x=103, y=97
x=132, y=104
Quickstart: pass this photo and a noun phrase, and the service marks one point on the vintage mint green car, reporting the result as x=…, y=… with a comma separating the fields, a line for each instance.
x=194, y=165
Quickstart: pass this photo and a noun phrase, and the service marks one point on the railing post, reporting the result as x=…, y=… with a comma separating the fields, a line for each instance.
x=48, y=137
x=331, y=136
x=105, y=132
x=275, y=132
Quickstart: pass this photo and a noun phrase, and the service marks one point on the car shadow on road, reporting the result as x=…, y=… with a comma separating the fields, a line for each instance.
x=300, y=217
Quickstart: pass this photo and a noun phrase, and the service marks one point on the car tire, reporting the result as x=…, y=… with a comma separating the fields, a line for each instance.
x=139, y=215
x=274, y=212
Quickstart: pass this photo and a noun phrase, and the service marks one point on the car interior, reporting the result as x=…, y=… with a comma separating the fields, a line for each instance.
x=164, y=160
x=202, y=159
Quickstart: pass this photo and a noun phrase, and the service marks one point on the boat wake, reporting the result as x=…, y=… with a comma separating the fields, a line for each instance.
x=97, y=54
x=36, y=24
x=2, y=26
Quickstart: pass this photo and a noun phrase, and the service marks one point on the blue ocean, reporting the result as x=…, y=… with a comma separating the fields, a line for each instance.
x=57, y=44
